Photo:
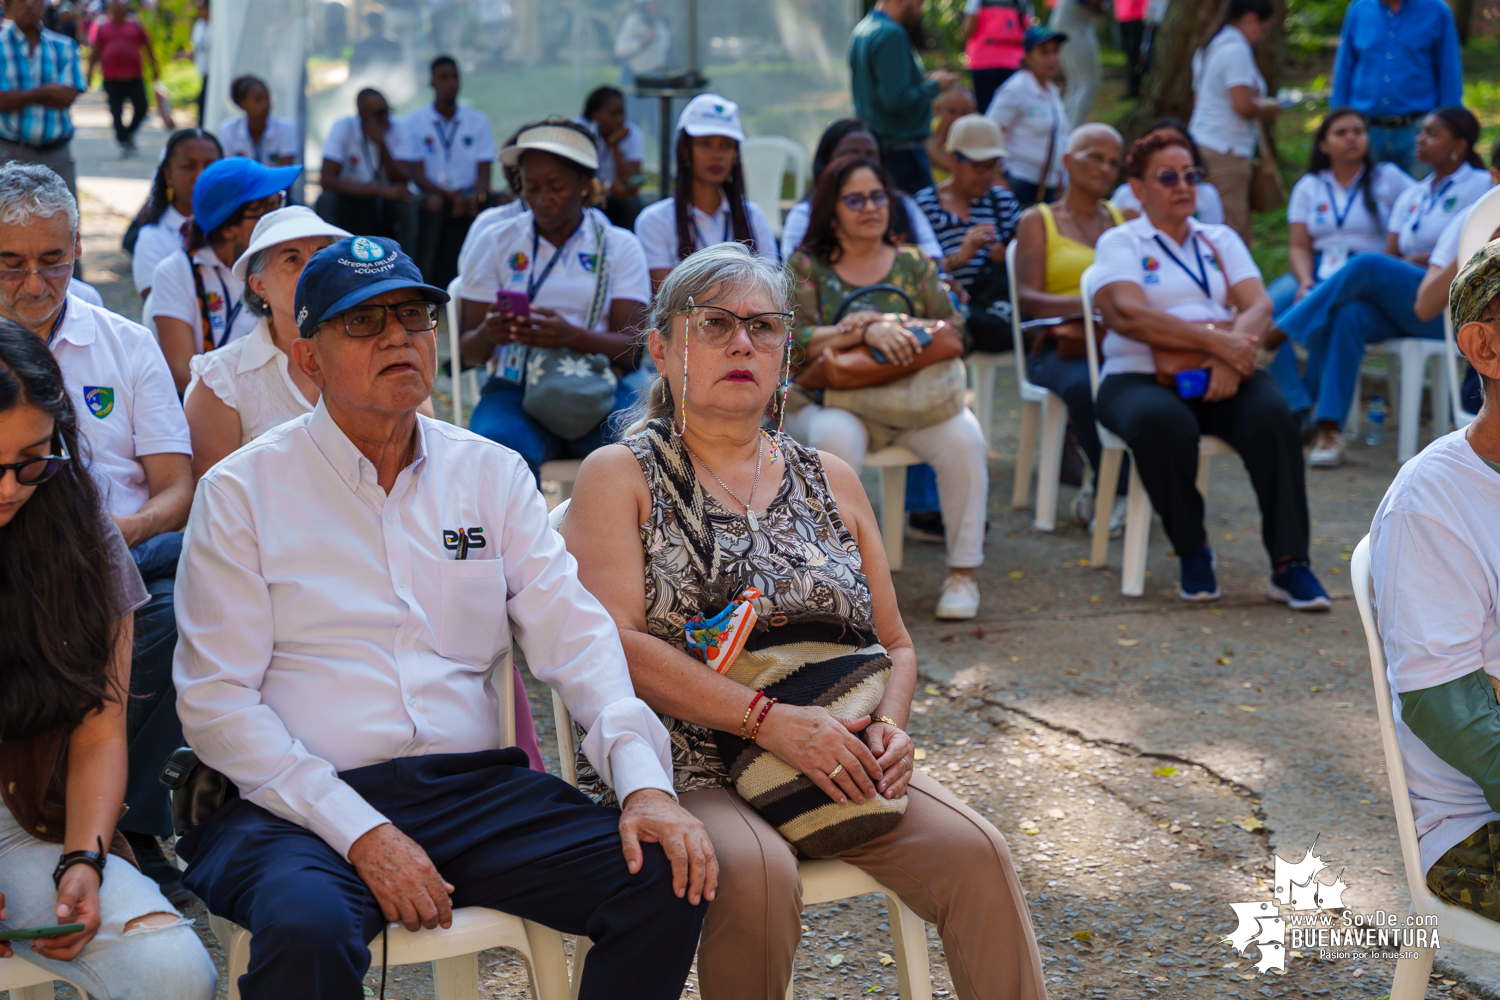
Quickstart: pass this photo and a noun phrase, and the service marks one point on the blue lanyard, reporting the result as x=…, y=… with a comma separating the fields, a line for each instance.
x=446, y=138
x=1339, y=217
x=1431, y=201
x=535, y=282
x=728, y=230
x=1200, y=278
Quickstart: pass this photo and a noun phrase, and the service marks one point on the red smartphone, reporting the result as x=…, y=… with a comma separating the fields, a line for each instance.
x=512, y=303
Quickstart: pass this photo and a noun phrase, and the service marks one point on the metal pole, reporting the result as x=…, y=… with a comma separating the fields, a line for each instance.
x=666, y=144
x=692, y=36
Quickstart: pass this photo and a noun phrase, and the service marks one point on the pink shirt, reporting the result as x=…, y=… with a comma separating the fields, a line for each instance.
x=119, y=48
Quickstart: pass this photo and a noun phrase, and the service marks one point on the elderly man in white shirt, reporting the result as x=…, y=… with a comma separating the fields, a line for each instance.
x=348, y=580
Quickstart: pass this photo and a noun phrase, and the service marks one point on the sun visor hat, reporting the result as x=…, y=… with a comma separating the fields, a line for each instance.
x=555, y=138
x=295, y=222
x=227, y=184
x=352, y=271
x=710, y=114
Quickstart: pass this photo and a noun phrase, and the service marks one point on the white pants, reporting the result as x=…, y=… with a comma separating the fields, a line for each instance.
x=954, y=448
x=1080, y=59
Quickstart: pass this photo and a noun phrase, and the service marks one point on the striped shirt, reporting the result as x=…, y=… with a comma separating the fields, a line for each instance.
x=54, y=61
x=999, y=208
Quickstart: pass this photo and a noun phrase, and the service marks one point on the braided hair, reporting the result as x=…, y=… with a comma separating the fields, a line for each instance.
x=734, y=189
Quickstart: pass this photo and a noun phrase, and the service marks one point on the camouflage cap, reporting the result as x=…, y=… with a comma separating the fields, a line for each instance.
x=1477, y=284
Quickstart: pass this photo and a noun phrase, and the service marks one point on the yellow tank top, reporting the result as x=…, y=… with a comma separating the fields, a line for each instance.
x=1066, y=258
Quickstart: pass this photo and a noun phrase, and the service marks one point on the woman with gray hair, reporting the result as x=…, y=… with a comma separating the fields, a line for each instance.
x=756, y=610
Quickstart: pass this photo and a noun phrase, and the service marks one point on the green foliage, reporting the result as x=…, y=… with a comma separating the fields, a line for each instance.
x=170, y=27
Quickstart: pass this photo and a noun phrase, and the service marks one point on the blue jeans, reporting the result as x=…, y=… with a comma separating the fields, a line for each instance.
x=1369, y=300
x=1399, y=146
x=499, y=417
x=1283, y=292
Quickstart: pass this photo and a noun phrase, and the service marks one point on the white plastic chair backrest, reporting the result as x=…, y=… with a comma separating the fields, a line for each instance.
x=1086, y=293
x=455, y=359
x=1359, y=578
x=766, y=159
x=1017, y=341
x=567, y=757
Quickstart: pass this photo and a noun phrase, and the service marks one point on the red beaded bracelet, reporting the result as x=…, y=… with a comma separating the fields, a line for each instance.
x=746, y=720
x=762, y=718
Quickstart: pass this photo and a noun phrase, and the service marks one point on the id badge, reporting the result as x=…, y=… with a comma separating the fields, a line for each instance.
x=513, y=362
x=1334, y=257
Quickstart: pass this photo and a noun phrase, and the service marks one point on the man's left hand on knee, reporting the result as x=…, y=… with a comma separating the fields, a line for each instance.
x=652, y=816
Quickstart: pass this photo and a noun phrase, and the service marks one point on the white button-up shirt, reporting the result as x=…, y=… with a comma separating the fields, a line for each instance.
x=325, y=625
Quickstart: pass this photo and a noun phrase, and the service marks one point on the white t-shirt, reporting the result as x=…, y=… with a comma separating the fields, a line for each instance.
x=1210, y=205
x=154, y=244
x=1334, y=214
x=516, y=258
x=1435, y=564
x=174, y=294
x=657, y=228
x=1423, y=211
x=201, y=38
x=125, y=398
x=359, y=158
x=795, y=228
x=1140, y=253
x=632, y=148
x=450, y=149
x=484, y=223
x=251, y=377
x=1228, y=61
x=279, y=139
x=1031, y=117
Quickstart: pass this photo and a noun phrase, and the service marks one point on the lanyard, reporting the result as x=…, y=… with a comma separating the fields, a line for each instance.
x=374, y=164
x=231, y=313
x=446, y=138
x=728, y=231
x=1333, y=202
x=1200, y=278
x=1431, y=201
x=57, y=323
x=535, y=282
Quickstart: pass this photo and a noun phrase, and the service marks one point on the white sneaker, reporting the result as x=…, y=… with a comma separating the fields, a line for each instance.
x=1116, y=518
x=1083, y=505
x=1330, y=456
x=960, y=597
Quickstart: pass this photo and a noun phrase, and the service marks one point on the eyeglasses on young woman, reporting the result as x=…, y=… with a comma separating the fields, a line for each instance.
x=857, y=201
x=35, y=471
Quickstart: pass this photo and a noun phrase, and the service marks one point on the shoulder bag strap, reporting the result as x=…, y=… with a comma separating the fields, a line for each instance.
x=601, y=274
x=1041, y=187
x=208, y=326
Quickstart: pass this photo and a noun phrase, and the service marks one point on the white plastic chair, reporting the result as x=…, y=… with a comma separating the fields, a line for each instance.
x=1410, y=355
x=1483, y=221
x=766, y=160
x=454, y=952
x=454, y=307
x=1454, y=923
x=1041, y=409
x=29, y=982
x=1138, y=504
x=823, y=881
x=892, y=462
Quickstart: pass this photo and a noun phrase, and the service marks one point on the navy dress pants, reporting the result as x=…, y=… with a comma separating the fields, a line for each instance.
x=151, y=725
x=507, y=837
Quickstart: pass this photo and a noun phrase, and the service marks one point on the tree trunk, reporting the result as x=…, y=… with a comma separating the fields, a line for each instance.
x=1463, y=15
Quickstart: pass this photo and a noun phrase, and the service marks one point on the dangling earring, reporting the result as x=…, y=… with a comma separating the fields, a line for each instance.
x=171, y=195
x=687, y=331
x=786, y=385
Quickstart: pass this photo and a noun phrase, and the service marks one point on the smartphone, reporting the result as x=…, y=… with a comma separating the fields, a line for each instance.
x=31, y=933
x=512, y=303
x=923, y=339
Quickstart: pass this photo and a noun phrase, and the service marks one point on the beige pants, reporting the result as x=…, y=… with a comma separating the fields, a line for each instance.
x=943, y=859
x=1231, y=175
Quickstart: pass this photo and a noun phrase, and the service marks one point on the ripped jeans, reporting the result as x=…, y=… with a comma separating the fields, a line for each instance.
x=166, y=963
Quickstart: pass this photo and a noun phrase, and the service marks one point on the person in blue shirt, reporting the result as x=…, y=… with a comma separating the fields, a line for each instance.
x=1397, y=61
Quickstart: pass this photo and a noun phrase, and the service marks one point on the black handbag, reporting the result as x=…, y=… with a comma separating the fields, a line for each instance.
x=989, y=302
x=198, y=791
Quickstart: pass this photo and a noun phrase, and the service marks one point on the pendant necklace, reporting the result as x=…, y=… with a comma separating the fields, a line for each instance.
x=749, y=514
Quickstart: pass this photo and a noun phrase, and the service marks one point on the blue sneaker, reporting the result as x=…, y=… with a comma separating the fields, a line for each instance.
x=1295, y=586
x=1198, y=583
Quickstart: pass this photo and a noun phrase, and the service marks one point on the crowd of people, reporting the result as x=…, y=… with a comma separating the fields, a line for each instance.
x=259, y=543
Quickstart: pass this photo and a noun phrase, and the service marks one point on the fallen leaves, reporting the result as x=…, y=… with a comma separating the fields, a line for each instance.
x=1054, y=814
x=885, y=959
x=834, y=961
x=1015, y=574
x=1245, y=708
x=1082, y=935
x=1129, y=642
x=1250, y=824
x=1165, y=771
x=920, y=754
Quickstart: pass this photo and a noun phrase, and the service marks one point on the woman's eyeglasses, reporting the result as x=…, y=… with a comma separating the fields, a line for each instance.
x=715, y=327
x=35, y=471
x=368, y=321
x=857, y=201
x=1170, y=178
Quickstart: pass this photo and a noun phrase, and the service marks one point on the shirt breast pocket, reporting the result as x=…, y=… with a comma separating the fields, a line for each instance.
x=472, y=623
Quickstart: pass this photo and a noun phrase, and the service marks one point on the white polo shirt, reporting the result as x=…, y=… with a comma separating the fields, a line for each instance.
x=1423, y=211
x=359, y=158
x=476, y=239
x=174, y=294
x=450, y=149
x=1031, y=116
x=325, y=625
x=657, y=228
x=280, y=138
x=125, y=399
x=1334, y=214
x=154, y=244
x=517, y=259
x=1140, y=253
x=632, y=148
x=1228, y=61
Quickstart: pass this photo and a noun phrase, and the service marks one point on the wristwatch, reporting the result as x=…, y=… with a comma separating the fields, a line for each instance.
x=94, y=859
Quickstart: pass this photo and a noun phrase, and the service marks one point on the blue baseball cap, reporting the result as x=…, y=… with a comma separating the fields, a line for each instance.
x=227, y=184
x=352, y=271
x=1039, y=34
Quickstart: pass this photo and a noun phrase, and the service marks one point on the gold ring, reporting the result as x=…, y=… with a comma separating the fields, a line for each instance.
x=838, y=769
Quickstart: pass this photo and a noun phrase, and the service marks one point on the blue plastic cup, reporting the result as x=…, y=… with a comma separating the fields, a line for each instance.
x=1192, y=383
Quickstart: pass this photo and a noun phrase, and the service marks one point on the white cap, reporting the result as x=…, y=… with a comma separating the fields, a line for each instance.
x=710, y=114
x=295, y=222
x=556, y=137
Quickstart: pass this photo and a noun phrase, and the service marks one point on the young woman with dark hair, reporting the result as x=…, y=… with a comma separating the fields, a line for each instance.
x=708, y=204
x=156, y=233
x=68, y=588
x=622, y=147
x=261, y=136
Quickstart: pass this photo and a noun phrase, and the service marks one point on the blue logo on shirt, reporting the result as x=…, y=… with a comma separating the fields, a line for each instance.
x=589, y=261
x=100, y=400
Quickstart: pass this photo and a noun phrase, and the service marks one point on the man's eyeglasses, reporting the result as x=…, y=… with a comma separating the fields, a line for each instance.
x=369, y=321
x=52, y=272
x=715, y=327
x=857, y=201
x=35, y=471
x=1170, y=178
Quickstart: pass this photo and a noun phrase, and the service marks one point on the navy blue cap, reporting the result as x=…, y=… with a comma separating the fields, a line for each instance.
x=1038, y=34
x=227, y=184
x=352, y=271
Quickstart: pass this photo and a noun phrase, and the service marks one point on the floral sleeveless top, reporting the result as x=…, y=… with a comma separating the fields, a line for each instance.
x=803, y=560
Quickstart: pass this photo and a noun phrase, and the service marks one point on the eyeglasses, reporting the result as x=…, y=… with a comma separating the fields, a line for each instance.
x=369, y=321
x=1170, y=178
x=35, y=471
x=857, y=201
x=715, y=327
x=52, y=272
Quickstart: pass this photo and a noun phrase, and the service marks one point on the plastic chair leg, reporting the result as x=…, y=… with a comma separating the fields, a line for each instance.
x=1202, y=482
x=1109, y=481
x=456, y=978
x=1031, y=419
x=1412, y=974
x=42, y=992
x=549, y=965
x=1442, y=415
x=984, y=397
x=1352, y=420
x=909, y=935
x=581, y=948
x=893, y=513
x=1412, y=377
x=1137, y=537
x=1054, y=429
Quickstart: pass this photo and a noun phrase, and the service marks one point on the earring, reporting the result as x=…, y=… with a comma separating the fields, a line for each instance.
x=786, y=385
x=687, y=331
x=171, y=195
